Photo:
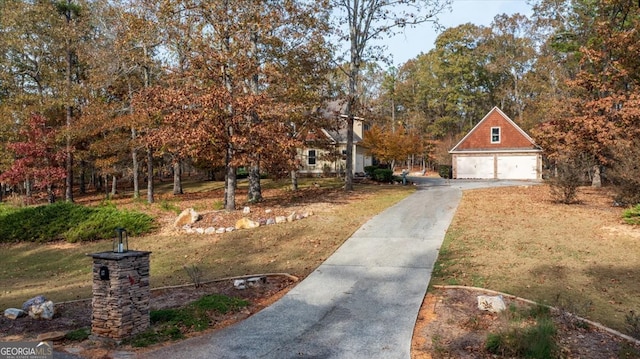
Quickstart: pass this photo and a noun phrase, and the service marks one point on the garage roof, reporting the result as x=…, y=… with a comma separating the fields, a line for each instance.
x=479, y=138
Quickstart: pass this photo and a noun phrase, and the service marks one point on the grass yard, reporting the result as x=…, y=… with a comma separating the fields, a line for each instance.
x=61, y=271
x=516, y=240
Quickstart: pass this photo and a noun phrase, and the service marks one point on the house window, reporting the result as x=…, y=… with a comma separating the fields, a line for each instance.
x=495, y=134
x=311, y=157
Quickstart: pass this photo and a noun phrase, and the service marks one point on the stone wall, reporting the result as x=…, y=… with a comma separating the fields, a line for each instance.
x=121, y=303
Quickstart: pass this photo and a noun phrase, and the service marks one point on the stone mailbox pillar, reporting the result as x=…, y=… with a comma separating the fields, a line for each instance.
x=121, y=295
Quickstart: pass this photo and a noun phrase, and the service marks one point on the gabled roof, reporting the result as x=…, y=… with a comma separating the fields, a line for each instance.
x=340, y=136
x=531, y=143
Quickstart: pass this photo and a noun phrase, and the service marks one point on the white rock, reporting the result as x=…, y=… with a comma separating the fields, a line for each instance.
x=246, y=210
x=246, y=223
x=37, y=300
x=240, y=284
x=281, y=219
x=268, y=211
x=220, y=230
x=14, y=313
x=187, y=217
x=256, y=281
x=493, y=304
x=200, y=230
x=42, y=311
x=209, y=230
x=270, y=221
x=230, y=229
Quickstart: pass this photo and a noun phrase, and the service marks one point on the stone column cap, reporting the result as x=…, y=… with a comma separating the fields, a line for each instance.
x=110, y=255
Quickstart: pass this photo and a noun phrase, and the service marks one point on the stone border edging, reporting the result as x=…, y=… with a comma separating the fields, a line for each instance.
x=292, y=277
x=510, y=296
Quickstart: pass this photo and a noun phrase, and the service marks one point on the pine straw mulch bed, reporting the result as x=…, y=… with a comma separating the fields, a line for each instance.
x=450, y=325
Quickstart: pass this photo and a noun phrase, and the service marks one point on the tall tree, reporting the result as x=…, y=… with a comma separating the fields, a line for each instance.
x=39, y=160
x=123, y=63
x=603, y=114
x=367, y=20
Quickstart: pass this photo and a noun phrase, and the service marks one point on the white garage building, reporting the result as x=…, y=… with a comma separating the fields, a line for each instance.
x=497, y=148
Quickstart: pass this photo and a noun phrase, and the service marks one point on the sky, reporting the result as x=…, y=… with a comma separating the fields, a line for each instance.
x=421, y=39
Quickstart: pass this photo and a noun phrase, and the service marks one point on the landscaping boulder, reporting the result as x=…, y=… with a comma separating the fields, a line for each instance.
x=246, y=223
x=220, y=230
x=291, y=217
x=14, y=313
x=240, y=284
x=493, y=304
x=187, y=217
x=246, y=210
x=270, y=221
x=51, y=336
x=42, y=311
x=281, y=219
x=33, y=301
x=209, y=230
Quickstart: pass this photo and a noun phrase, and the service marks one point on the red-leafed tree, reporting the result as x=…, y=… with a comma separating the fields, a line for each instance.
x=601, y=119
x=38, y=160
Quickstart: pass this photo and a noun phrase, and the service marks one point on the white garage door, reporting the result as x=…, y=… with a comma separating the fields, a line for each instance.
x=480, y=167
x=518, y=167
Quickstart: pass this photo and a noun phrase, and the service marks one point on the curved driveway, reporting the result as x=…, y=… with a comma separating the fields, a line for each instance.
x=362, y=302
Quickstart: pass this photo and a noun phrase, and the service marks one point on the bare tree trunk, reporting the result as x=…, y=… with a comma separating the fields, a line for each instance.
x=105, y=179
x=255, y=189
x=149, y=175
x=27, y=188
x=596, y=181
x=51, y=195
x=230, y=176
x=83, y=175
x=114, y=185
x=68, y=112
x=348, y=178
x=177, y=177
x=136, y=170
x=294, y=180
x=230, y=188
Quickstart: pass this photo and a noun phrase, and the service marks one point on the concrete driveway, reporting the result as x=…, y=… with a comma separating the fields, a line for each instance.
x=362, y=302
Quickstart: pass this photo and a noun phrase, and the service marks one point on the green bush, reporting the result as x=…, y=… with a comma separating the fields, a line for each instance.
x=168, y=324
x=68, y=221
x=632, y=215
x=368, y=170
x=78, y=334
x=444, y=171
x=383, y=175
x=536, y=342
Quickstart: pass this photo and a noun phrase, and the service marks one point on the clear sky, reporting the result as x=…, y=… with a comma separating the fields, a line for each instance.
x=407, y=46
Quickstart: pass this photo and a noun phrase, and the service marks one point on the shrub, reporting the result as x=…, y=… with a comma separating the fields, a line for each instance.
x=78, y=334
x=169, y=324
x=368, y=170
x=445, y=171
x=624, y=172
x=72, y=222
x=632, y=215
x=568, y=174
x=537, y=341
x=383, y=175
